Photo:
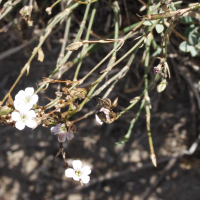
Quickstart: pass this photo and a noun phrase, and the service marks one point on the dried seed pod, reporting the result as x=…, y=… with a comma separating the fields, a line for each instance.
x=9, y=102
x=74, y=46
x=135, y=100
x=72, y=128
x=40, y=55
x=26, y=13
x=106, y=103
x=114, y=103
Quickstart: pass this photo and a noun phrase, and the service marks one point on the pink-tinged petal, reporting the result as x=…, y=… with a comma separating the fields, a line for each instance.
x=85, y=179
x=106, y=111
x=15, y=116
x=69, y=172
x=20, y=94
x=34, y=99
x=29, y=91
x=31, y=123
x=62, y=137
x=20, y=125
x=98, y=120
x=77, y=164
x=69, y=135
x=31, y=113
x=85, y=170
x=76, y=178
x=55, y=130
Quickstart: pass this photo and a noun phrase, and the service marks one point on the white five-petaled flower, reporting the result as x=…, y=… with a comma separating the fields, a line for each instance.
x=25, y=99
x=78, y=173
x=24, y=119
x=106, y=112
x=62, y=132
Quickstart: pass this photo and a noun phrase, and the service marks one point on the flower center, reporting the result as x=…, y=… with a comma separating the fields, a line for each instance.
x=27, y=100
x=23, y=117
x=62, y=128
x=78, y=173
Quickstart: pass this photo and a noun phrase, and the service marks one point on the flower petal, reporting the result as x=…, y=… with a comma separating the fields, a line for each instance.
x=69, y=135
x=69, y=172
x=20, y=125
x=31, y=114
x=62, y=137
x=77, y=164
x=31, y=123
x=106, y=111
x=15, y=116
x=85, y=179
x=76, y=178
x=54, y=130
x=98, y=120
x=34, y=99
x=29, y=91
x=20, y=94
x=85, y=170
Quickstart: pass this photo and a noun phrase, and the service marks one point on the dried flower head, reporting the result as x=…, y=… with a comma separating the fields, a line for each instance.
x=102, y=115
x=48, y=10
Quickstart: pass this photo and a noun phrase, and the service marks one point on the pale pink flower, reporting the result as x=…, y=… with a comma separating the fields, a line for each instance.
x=25, y=99
x=62, y=132
x=106, y=112
x=78, y=173
x=24, y=119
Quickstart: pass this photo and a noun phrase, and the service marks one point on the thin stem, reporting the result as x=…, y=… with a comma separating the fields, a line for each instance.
x=135, y=100
x=67, y=27
x=84, y=49
x=147, y=99
x=42, y=39
x=132, y=123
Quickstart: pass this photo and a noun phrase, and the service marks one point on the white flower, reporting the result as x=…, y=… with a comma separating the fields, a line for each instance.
x=106, y=112
x=24, y=119
x=62, y=132
x=78, y=173
x=24, y=100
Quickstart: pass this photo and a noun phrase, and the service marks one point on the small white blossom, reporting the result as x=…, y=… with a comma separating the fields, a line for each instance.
x=62, y=132
x=78, y=173
x=24, y=100
x=24, y=119
x=106, y=112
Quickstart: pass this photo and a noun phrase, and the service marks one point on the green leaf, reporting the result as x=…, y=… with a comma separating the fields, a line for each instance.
x=187, y=20
x=194, y=52
x=149, y=23
x=161, y=87
x=159, y=28
x=157, y=52
x=189, y=30
x=151, y=8
x=192, y=39
x=185, y=47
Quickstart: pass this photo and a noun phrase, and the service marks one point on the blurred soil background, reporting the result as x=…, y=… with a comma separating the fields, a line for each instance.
x=124, y=173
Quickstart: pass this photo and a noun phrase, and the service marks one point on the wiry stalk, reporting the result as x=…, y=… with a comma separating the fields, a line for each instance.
x=147, y=99
x=177, y=13
x=54, y=21
x=84, y=49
